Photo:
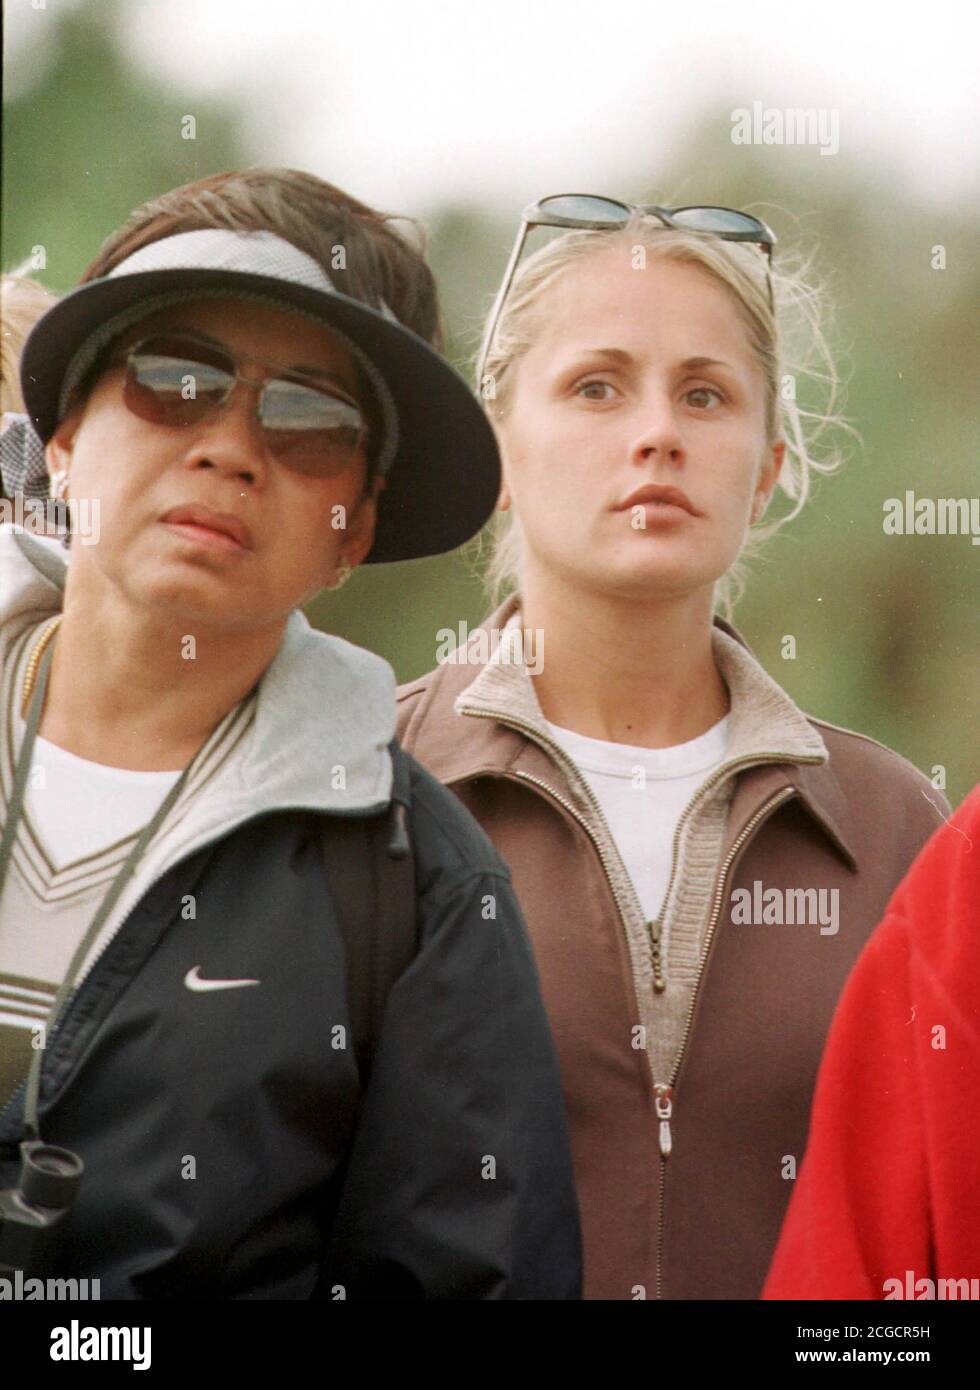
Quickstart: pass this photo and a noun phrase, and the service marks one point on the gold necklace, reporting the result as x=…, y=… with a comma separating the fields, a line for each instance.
x=41, y=645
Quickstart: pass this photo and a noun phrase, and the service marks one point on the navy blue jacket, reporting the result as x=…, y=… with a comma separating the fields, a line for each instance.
x=228, y=1150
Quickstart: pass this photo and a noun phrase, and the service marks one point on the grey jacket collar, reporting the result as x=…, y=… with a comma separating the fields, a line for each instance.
x=764, y=723
x=324, y=713
x=493, y=745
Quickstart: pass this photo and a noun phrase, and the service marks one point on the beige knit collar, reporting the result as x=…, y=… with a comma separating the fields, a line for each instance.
x=764, y=723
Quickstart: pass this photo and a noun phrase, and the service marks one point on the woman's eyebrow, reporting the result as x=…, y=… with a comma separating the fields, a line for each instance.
x=613, y=354
x=620, y=355
x=691, y=364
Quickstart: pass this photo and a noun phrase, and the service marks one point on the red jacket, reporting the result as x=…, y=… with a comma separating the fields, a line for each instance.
x=887, y=1204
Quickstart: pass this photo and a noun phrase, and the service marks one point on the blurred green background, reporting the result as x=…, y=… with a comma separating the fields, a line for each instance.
x=887, y=627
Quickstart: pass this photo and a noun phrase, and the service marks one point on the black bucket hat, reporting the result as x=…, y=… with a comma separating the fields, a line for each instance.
x=437, y=452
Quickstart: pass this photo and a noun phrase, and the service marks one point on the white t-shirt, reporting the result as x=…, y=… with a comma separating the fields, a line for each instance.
x=80, y=808
x=81, y=820
x=643, y=792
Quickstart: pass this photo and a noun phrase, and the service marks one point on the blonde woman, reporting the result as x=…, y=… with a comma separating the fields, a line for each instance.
x=698, y=861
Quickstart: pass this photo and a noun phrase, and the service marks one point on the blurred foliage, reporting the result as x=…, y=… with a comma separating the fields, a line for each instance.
x=91, y=140
x=887, y=627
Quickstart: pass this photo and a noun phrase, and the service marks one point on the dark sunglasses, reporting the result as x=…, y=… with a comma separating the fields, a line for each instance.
x=178, y=379
x=598, y=214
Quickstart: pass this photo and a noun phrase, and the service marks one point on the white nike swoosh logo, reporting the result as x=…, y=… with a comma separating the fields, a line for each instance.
x=193, y=981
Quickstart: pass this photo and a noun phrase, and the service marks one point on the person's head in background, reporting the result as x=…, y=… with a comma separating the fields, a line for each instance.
x=639, y=359
x=22, y=302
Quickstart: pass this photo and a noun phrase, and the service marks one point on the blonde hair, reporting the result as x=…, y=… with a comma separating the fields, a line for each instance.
x=788, y=344
x=22, y=303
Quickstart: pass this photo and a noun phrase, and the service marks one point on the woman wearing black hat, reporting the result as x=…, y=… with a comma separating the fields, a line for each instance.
x=214, y=990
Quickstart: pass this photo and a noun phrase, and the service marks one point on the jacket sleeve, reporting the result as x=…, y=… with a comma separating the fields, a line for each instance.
x=885, y=1179
x=459, y=1182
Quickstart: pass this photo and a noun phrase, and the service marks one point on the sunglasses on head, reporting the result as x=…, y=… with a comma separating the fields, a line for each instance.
x=585, y=210
x=179, y=379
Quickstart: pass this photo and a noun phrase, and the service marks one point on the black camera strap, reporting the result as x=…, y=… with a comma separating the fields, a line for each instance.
x=14, y=812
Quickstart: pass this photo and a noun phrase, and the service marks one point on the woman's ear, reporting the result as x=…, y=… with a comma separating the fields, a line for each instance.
x=59, y=448
x=360, y=535
x=504, y=499
x=768, y=478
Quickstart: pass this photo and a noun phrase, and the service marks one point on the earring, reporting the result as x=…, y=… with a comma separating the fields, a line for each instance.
x=344, y=572
x=59, y=493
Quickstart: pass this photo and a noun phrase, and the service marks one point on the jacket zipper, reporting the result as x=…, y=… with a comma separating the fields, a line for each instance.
x=562, y=759
x=659, y=979
x=665, y=1094
x=50, y=1038
x=72, y=1000
x=654, y=929
x=576, y=815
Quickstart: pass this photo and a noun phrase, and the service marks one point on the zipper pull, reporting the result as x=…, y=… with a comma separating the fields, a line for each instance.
x=663, y=1104
x=659, y=983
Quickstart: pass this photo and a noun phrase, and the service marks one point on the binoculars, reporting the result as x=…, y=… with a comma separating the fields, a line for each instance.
x=31, y=1212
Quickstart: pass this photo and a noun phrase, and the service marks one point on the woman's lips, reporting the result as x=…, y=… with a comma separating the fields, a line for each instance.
x=204, y=535
x=201, y=524
x=660, y=505
x=662, y=513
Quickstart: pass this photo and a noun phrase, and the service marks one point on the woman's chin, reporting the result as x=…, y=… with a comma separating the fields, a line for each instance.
x=175, y=599
x=658, y=578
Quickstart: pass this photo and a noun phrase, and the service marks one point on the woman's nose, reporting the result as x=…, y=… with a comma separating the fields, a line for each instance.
x=232, y=439
x=658, y=433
